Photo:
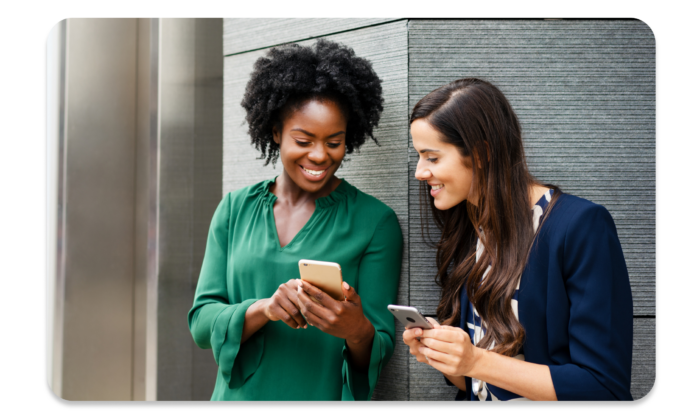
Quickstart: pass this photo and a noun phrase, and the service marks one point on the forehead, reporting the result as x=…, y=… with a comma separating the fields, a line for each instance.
x=317, y=113
x=425, y=136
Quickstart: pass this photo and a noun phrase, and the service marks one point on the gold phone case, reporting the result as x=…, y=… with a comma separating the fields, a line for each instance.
x=324, y=275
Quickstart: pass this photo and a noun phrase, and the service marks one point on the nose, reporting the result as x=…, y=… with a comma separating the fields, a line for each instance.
x=422, y=173
x=318, y=153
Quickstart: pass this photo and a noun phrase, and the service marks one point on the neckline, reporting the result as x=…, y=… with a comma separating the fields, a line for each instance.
x=336, y=196
x=544, y=200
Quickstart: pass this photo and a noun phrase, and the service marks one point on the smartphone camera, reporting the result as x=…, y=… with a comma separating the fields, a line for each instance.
x=393, y=310
x=306, y=265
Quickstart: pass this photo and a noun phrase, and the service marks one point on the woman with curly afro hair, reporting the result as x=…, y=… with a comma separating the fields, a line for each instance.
x=275, y=337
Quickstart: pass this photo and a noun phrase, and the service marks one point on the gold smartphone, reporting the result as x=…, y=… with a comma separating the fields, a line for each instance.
x=324, y=275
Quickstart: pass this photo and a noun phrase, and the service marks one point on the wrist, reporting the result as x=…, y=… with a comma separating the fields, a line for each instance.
x=366, y=334
x=480, y=357
x=260, y=308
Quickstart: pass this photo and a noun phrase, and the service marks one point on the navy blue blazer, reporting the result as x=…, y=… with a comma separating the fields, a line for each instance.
x=575, y=303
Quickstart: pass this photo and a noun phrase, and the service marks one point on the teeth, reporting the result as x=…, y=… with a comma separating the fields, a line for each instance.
x=313, y=172
x=437, y=187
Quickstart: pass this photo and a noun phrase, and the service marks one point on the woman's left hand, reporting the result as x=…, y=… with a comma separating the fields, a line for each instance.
x=343, y=319
x=450, y=350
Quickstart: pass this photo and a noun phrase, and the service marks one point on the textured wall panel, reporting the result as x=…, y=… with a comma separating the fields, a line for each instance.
x=250, y=34
x=585, y=95
x=377, y=170
x=643, y=357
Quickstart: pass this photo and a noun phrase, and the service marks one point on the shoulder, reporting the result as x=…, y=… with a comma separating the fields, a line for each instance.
x=579, y=227
x=233, y=202
x=255, y=191
x=575, y=222
x=369, y=206
x=577, y=214
x=372, y=217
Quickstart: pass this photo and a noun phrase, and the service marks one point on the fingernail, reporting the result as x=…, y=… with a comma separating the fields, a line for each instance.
x=304, y=326
x=346, y=286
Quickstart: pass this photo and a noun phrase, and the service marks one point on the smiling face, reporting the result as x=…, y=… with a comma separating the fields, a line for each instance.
x=448, y=174
x=312, y=144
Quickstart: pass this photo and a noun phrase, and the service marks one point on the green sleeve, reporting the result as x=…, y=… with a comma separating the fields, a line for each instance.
x=378, y=281
x=216, y=323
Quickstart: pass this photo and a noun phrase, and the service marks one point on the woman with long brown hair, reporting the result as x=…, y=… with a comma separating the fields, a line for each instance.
x=536, y=301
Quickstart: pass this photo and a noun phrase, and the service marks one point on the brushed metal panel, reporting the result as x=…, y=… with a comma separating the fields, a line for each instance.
x=208, y=163
x=189, y=189
x=55, y=223
x=151, y=357
x=142, y=197
x=585, y=93
x=242, y=35
x=378, y=170
x=99, y=217
x=175, y=191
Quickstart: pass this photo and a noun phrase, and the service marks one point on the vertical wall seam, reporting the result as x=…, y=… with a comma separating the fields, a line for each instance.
x=60, y=284
x=153, y=215
x=135, y=200
x=193, y=192
x=408, y=196
x=658, y=212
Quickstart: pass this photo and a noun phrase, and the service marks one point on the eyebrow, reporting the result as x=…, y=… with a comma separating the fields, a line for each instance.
x=313, y=135
x=428, y=150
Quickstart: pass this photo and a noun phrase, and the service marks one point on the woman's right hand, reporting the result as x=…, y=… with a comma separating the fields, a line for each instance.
x=283, y=305
x=412, y=339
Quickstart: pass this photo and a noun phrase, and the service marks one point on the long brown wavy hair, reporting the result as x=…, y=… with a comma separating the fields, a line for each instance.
x=476, y=117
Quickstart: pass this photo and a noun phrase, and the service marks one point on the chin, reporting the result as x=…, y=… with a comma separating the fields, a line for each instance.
x=442, y=205
x=439, y=207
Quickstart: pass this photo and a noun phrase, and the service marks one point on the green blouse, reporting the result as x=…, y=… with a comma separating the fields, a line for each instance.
x=244, y=262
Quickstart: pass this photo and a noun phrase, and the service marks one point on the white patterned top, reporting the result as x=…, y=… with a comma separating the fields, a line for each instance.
x=476, y=327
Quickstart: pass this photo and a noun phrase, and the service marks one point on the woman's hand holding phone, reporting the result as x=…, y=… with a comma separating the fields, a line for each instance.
x=344, y=319
x=450, y=350
x=283, y=306
x=411, y=337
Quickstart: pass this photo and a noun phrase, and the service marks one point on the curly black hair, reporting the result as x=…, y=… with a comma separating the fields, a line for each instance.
x=290, y=75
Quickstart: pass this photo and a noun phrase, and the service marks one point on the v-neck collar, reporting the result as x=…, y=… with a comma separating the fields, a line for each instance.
x=336, y=196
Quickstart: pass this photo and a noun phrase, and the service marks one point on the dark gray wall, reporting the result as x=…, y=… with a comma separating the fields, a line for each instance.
x=377, y=170
x=585, y=93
